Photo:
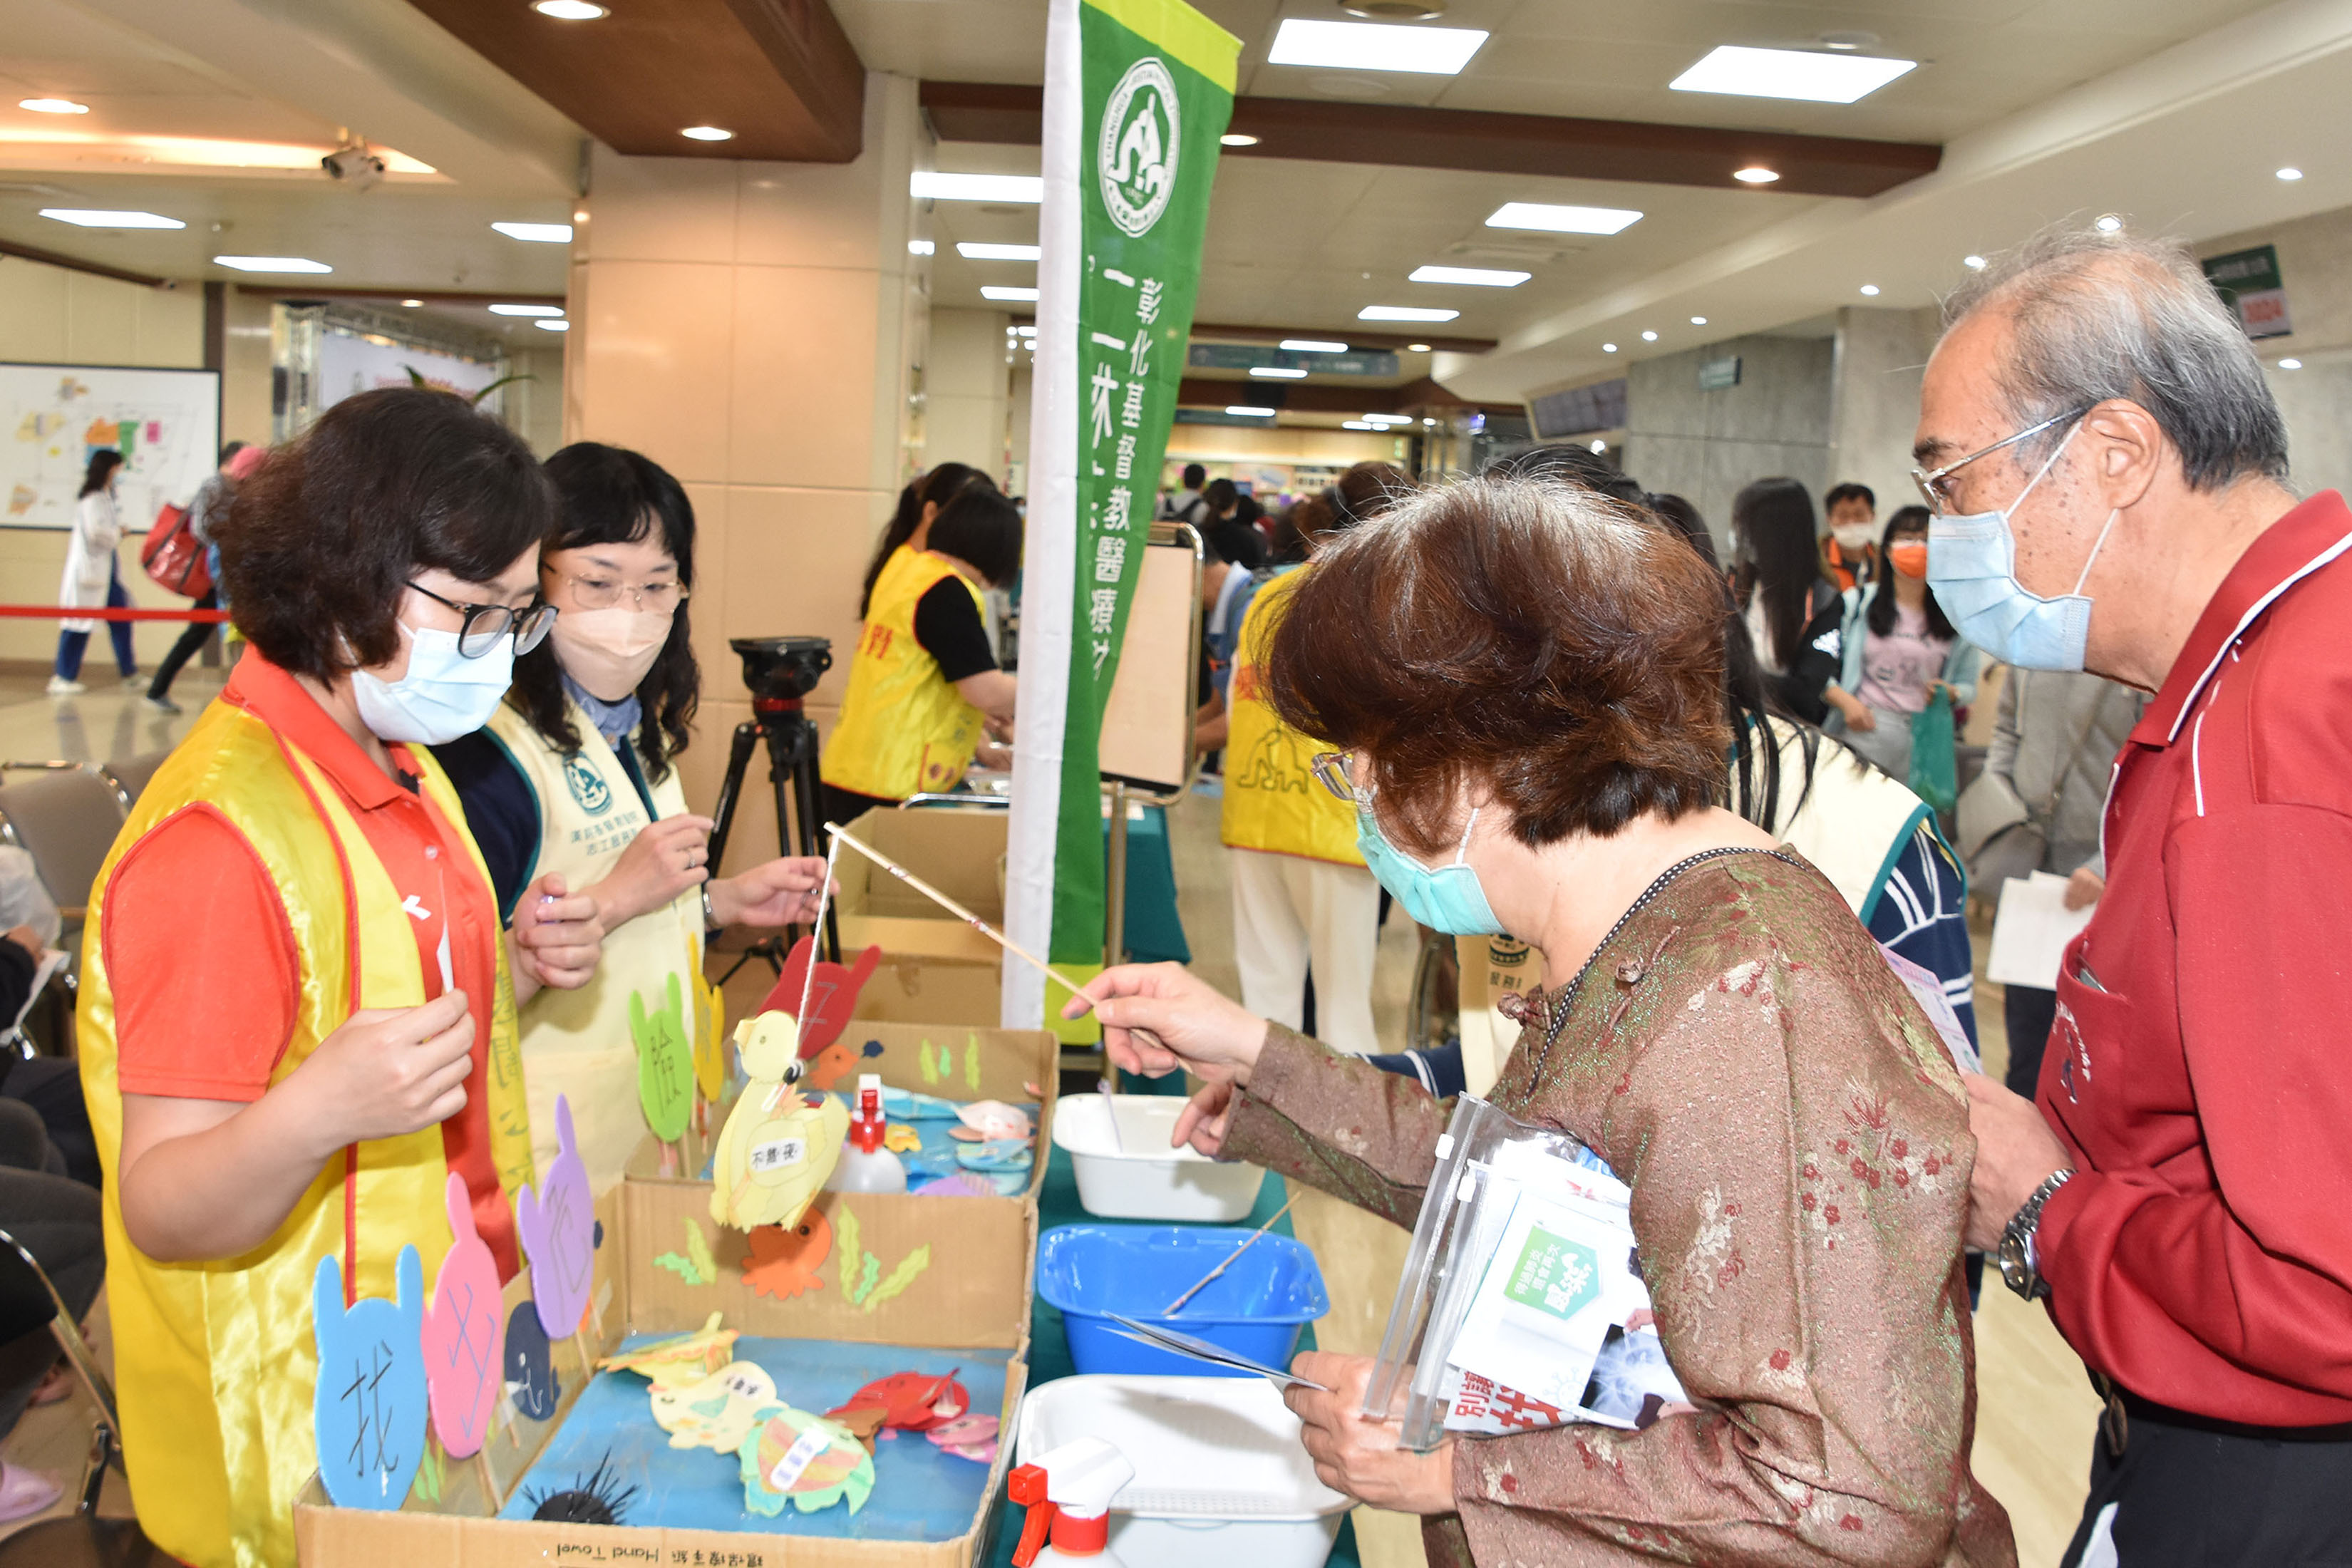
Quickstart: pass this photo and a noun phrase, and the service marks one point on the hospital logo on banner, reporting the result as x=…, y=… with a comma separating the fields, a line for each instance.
x=1142, y=137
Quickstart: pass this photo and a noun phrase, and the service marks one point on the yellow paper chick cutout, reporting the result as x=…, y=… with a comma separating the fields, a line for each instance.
x=776, y=1149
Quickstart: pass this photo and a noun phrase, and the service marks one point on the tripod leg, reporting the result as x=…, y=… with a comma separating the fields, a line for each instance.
x=730, y=789
x=792, y=754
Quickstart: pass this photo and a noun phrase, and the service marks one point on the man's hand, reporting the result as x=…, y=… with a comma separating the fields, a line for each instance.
x=555, y=940
x=776, y=893
x=2084, y=887
x=2016, y=1153
x=1357, y=1456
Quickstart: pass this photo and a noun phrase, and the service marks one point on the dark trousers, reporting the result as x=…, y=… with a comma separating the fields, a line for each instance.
x=191, y=641
x=72, y=645
x=56, y=1220
x=2029, y=1012
x=2199, y=1494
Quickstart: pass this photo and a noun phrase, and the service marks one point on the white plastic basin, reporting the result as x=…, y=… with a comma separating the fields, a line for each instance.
x=1141, y=1176
x=1220, y=1477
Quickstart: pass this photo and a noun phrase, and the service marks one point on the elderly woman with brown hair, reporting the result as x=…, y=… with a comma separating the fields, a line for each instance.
x=1524, y=682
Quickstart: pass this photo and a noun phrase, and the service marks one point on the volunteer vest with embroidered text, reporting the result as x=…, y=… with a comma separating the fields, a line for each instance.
x=1272, y=800
x=578, y=1043
x=215, y=1363
x=903, y=730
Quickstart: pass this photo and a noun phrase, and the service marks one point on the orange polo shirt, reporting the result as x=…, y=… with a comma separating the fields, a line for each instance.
x=201, y=954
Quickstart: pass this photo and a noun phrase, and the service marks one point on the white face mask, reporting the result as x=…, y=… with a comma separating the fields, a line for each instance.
x=609, y=651
x=1854, y=537
x=443, y=695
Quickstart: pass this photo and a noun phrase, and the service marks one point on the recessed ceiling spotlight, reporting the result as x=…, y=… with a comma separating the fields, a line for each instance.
x=53, y=106
x=1395, y=10
x=1358, y=46
x=410, y=304
x=526, y=311
x=1404, y=313
x=2110, y=224
x=1247, y=411
x=1846, y=43
x=974, y=250
x=1238, y=139
x=920, y=248
x=271, y=264
x=556, y=326
x=1276, y=373
x=936, y=186
x=1312, y=346
x=1555, y=219
x=1609, y=348
x=1416, y=348
x=1649, y=337
x=706, y=133
x=2290, y=173
x=1476, y=277
x=1973, y=263
x=2290, y=364
x=1755, y=174
x=107, y=217
x=1598, y=444
x=1871, y=290
x=570, y=10
x=998, y=291
x=537, y=233
x=1698, y=321
x=1426, y=422
x=581, y=216
x=1790, y=73
x=1390, y=418
x=1024, y=331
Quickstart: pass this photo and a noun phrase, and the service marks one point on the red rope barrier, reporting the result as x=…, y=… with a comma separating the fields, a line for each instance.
x=108, y=613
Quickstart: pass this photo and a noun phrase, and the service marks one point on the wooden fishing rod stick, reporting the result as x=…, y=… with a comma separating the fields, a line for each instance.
x=1170, y=1311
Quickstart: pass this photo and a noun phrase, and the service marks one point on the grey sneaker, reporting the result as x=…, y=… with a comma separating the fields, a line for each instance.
x=160, y=704
x=60, y=686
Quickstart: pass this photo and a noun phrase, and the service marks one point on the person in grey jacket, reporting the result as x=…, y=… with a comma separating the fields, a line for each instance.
x=238, y=460
x=2054, y=739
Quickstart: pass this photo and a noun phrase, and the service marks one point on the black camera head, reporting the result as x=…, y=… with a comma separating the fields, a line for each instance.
x=783, y=670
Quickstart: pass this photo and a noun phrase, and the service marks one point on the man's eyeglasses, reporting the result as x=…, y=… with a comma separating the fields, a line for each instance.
x=484, y=625
x=604, y=594
x=1937, y=488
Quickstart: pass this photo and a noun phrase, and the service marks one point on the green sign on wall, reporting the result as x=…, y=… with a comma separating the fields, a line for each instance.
x=2250, y=284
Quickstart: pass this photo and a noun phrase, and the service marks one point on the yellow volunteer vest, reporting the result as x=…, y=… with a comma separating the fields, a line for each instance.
x=1272, y=801
x=577, y=1043
x=214, y=1362
x=903, y=729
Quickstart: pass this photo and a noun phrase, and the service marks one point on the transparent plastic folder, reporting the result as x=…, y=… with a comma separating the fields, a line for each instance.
x=1522, y=1304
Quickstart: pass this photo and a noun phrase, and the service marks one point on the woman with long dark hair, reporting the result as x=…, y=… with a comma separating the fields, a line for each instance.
x=576, y=772
x=91, y=577
x=1897, y=650
x=910, y=525
x=1790, y=605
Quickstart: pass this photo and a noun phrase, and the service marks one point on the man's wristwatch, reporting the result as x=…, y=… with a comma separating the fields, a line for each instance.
x=710, y=925
x=2019, y=1268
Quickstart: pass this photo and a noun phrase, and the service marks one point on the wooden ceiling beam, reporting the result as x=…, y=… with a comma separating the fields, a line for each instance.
x=1557, y=146
x=781, y=74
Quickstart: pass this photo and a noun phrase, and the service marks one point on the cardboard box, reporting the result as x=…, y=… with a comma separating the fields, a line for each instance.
x=939, y=991
x=973, y=1293
x=958, y=849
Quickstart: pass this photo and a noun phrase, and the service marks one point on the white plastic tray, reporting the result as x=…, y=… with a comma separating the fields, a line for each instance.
x=1141, y=1176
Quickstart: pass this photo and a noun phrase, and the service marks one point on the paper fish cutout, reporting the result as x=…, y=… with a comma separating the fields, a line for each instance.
x=697, y=1266
x=995, y=1118
x=814, y=1462
x=464, y=1342
x=710, y=1041
x=910, y=1401
x=906, y=1105
x=1003, y=1155
x=779, y=1145
x=785, y=1260
x=828, y=1067
x=681, y=1359
x=531, y=1367
x=368, y=1409
x=901, y=1139
x=968, y=1437
x=665, y=1061
x=832, y=995
x=720, y=1411
x=557, y=1227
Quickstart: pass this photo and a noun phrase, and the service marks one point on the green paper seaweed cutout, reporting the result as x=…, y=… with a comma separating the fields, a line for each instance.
x=863, y=1284
x=696, y=1267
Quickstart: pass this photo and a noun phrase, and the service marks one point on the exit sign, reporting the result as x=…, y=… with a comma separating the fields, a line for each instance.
x=1715, y=374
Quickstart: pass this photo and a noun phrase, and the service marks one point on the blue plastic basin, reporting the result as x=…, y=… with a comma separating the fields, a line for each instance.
x=1256, y=1307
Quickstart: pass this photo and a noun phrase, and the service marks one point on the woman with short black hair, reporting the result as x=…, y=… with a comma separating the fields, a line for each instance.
x=297, y=1011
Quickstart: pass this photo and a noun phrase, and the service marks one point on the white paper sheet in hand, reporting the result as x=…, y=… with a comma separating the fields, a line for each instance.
x=2032, y=929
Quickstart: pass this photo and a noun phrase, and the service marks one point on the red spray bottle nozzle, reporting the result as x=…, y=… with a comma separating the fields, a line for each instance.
x=869, y=1125
x=1067, y=1492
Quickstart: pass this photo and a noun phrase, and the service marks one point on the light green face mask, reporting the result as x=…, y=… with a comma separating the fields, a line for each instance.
x=1448, y=898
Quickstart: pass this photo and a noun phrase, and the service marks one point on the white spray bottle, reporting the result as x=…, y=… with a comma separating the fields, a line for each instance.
x=1067, y=1493
x=865, y=1166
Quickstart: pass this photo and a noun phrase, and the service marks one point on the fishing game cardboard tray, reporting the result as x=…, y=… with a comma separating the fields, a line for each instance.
x=868, y=1287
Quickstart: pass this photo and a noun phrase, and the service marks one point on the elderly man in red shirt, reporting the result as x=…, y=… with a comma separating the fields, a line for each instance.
x=2109, y=471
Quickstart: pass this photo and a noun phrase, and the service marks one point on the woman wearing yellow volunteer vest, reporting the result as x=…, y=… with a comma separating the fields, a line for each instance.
x=296, y=1018
x=1303, y=900
x=925, y=681
x=575, y=774
x=910, y=525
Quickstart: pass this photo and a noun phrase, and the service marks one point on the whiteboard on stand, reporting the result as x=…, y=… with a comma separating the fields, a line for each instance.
x=1147, y=731
x=165, y=423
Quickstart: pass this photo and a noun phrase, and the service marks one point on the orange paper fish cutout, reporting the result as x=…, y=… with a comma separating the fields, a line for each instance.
x=784, y=1259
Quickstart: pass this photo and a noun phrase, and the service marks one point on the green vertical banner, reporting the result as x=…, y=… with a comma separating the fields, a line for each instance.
x=1158, y=87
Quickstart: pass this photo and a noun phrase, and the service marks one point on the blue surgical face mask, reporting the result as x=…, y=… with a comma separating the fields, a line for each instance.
x=443, y=695
x=1448, y=898
x=1972, y=570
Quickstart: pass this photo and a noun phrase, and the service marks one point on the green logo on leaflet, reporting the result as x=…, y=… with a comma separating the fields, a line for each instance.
x=1141, y=138
x=1554, y=1275
x=588, y=787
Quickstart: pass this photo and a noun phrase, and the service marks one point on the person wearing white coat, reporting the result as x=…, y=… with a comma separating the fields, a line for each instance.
x=92, y=580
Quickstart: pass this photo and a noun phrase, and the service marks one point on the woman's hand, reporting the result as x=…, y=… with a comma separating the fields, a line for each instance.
x=1204, y=1121
x=389, y=1072
x=665, y=860
x=1855, y=711
x=2083, y=889
x=779, y=893
x=555, y=940
x=1158, y=1018
x=1357, y=1456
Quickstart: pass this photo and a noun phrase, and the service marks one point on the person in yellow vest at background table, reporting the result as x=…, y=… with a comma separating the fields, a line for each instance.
x=924, y=684
x=1303, y=900
x=910, y=525
x=297, y=1015
x=576, y=774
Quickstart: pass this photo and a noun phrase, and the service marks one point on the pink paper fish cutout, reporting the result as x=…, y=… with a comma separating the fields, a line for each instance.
x=557, y=1226
x=464, y=1338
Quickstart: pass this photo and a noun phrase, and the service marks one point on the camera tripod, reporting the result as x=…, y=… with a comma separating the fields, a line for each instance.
x=778, y=718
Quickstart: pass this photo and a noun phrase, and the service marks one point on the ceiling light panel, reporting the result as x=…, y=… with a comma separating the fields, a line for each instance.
x=53, y=106
x=108, y=218
x=1243, y=410
x=999, y=292
x=1479, y=276
x=1276, y=373
x=1553, y=219
x=1804, y=74
x=974, y=250
x=271, y=264
x=938, y=186
x=1312, y=346
x=708, y=133
x=1404, y=313
x=527, y=311
x=537, y=233
x=1374, y=47
x=570, y=10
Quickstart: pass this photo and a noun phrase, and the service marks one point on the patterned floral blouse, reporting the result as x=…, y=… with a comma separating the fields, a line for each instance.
x=1797, y=1142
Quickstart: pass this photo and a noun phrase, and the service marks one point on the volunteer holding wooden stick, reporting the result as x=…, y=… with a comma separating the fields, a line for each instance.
x=1526, y=681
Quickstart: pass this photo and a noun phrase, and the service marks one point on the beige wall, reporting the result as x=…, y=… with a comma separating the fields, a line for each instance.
x=749, y=326
x=50, y=314
x=966, y=384
x=1881, y=360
